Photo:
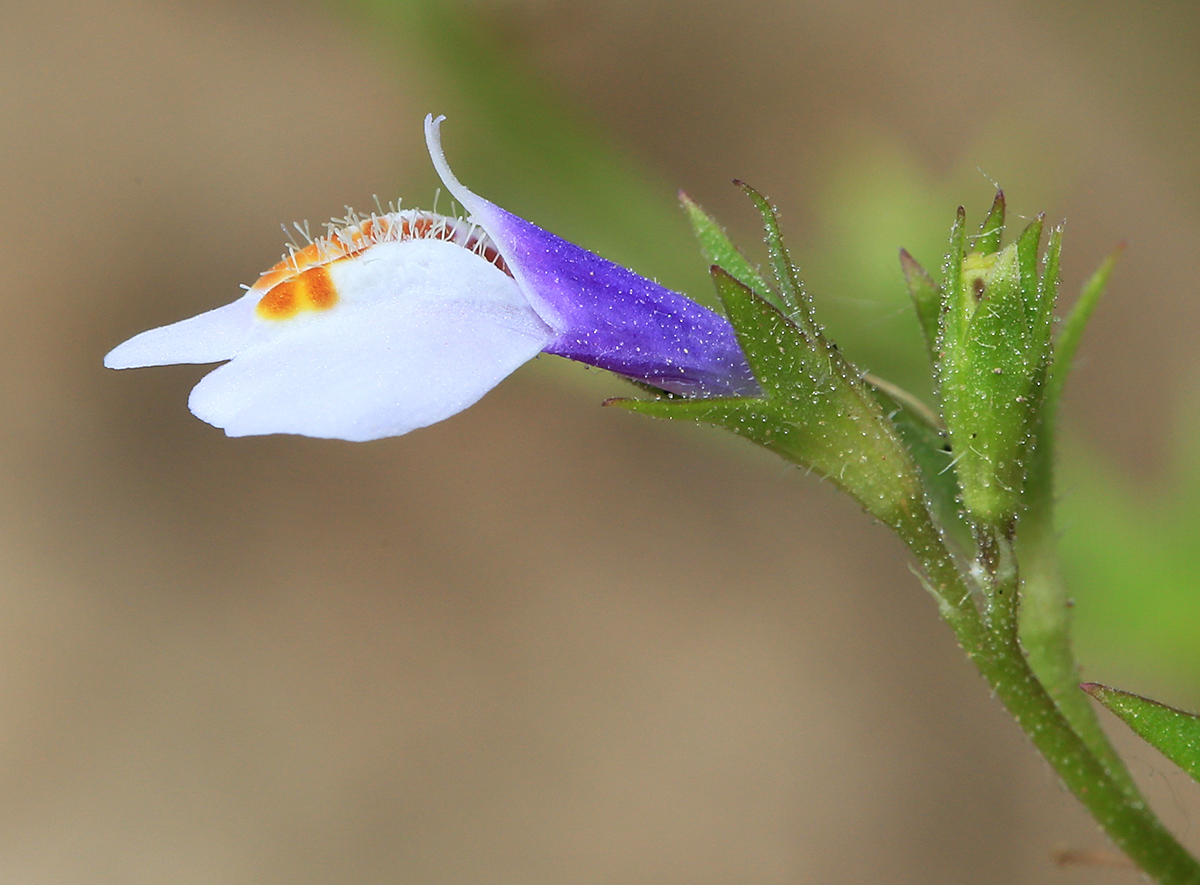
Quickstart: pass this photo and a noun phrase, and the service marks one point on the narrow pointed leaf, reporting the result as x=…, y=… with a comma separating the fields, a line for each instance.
x=1040, y=422
x=795, y=299
x=763, y=421
x=1073, y=326
x=926, y=298
x=718, y=249
x=1172, y=732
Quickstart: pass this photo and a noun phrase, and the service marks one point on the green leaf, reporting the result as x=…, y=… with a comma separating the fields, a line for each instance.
x=718, y=249
x=951, y=323
x=924, y=435
x=926, y=298
x=988, y=240
x=1072, y=329
x=1040, y=480
x=1172, y=732
x=759, y=419
x=1041, y=416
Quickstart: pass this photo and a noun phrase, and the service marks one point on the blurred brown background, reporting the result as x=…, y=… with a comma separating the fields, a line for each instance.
x=543, y=641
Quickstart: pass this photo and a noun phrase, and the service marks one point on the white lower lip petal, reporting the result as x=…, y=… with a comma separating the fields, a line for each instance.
x=421, y=330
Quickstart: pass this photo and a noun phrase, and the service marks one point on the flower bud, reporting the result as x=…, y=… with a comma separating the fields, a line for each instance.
x=992, y=357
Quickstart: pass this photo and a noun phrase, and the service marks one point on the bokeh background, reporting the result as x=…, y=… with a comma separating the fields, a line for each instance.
x=546, y=642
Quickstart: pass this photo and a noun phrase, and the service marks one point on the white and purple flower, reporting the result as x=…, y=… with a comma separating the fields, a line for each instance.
x=399, y=320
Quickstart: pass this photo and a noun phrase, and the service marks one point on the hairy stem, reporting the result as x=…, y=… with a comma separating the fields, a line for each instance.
x=1045, y=620
x=993, y=647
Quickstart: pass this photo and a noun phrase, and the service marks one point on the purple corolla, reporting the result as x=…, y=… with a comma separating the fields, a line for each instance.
x=395, y=321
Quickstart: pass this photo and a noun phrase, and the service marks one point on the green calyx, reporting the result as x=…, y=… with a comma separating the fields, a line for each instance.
x=815, y=409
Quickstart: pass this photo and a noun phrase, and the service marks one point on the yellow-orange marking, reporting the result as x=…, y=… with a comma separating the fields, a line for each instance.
x=311, y=290
x=300, y=280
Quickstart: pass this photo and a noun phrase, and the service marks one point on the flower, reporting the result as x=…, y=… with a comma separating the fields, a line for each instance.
x=398, y=320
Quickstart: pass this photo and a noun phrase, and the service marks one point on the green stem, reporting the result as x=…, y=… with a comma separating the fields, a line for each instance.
x=1126, y=819
x=1045, y=620
x=994, y=648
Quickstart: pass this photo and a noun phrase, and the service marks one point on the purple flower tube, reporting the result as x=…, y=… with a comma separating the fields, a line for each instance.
x=606, y=315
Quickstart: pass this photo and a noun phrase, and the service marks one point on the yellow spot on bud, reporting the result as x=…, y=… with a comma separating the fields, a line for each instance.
x=976, y=273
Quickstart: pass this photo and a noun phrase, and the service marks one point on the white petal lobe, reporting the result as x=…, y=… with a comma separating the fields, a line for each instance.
x=421, y=330
x=209, y=337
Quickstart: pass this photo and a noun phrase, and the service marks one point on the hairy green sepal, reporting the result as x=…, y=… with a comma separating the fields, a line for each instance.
x=719, y=250
x=814, y=409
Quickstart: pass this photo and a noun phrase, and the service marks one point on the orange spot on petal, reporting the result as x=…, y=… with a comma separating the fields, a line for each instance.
x=311, y=290
x=319, y=288
x=279, y=303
